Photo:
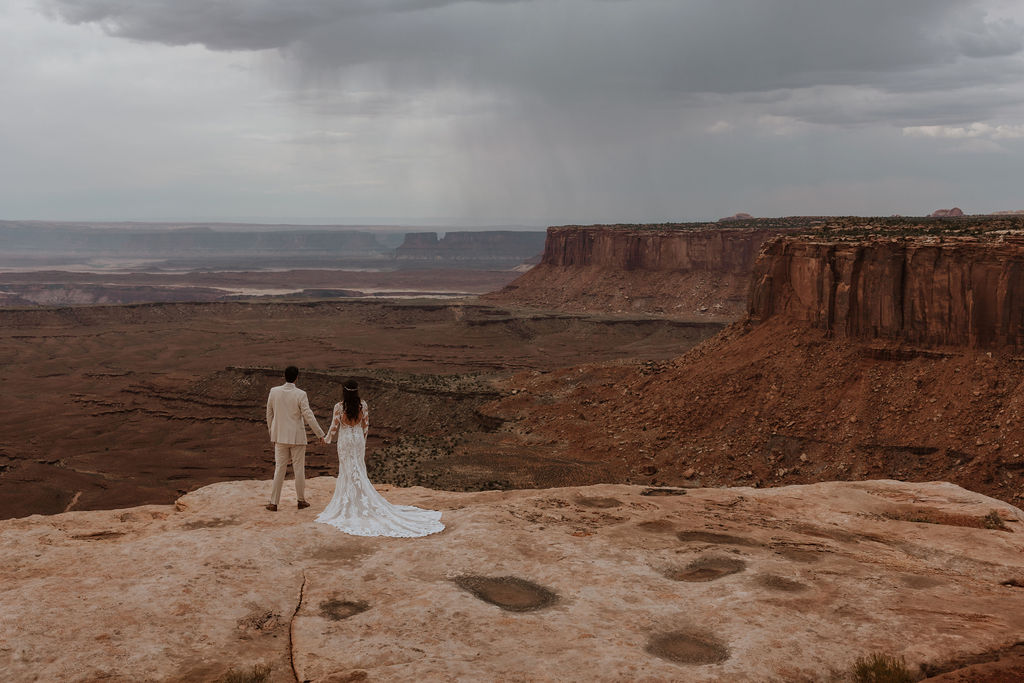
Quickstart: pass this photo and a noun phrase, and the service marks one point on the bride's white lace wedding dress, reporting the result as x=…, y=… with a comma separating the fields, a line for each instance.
x=356, y=507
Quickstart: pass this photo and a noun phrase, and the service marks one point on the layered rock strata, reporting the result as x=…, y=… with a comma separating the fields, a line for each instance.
x=927, y=291
x=166, y=240
x=674, y=269
x=721, y=250
x=499, y=248
x=606, y=582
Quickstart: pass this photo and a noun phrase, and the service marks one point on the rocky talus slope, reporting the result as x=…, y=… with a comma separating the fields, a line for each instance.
x=778, y=404
x=607, y=582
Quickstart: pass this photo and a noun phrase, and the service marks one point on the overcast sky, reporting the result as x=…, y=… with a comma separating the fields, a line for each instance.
x=529, y=111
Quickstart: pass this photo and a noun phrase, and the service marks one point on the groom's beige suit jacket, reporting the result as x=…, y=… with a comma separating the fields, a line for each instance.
x=287, y=406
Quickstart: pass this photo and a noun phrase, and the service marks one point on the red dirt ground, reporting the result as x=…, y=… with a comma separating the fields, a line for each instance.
x=113, y=406
x=780, y=404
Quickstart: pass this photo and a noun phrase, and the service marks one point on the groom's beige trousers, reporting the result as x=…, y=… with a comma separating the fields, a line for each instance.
x=283, y=454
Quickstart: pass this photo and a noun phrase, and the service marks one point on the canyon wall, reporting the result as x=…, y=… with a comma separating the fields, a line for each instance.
x=676, y=269
x=216, y=246
x=717, y=250
x=922, y=290
x=496, y=248
x=32, y=237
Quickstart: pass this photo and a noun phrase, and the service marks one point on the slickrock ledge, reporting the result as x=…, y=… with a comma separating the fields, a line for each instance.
x=607, y=582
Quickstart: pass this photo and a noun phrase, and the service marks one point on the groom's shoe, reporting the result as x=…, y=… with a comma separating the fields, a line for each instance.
x=303, y=504
x=271, y=507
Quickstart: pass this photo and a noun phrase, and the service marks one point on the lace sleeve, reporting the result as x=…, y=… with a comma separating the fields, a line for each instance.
x=366, y=418
x=335, y=422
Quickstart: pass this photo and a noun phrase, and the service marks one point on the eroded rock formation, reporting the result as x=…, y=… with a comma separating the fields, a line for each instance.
x=499, y=248
x=930, y=291
x=874, y=348
x=606, y=582
x=674, y=269
x=165, y=240
x=720, y=250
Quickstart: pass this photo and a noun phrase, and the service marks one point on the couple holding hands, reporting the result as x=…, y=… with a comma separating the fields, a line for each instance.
x=356, y=507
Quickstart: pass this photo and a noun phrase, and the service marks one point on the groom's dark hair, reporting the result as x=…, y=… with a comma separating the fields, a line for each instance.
x=291, y=373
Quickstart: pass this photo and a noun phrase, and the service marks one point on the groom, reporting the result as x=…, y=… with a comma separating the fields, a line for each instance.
x=287, y=406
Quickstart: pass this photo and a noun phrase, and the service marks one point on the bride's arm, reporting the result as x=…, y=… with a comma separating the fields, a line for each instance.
x=335, y=423
x=366, y=419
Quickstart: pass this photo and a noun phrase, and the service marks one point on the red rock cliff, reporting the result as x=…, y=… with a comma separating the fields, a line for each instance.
x=926, y=291
x=718, y=250
x=674, y=269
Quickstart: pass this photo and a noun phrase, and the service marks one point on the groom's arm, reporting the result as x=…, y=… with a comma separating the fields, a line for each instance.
x=270, y=412
x=308, y=415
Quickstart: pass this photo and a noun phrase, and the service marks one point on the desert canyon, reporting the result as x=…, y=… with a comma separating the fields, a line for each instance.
x=753, y=450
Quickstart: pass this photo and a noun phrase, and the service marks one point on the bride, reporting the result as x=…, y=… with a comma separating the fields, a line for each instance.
x=356, y=507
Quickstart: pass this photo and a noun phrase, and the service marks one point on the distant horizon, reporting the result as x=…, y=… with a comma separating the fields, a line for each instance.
x=396, y=224
x=366, y=223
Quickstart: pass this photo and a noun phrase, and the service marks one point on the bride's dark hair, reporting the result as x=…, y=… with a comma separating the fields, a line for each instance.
x=350, y=399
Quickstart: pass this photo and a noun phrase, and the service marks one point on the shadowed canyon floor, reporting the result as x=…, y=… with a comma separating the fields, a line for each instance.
x=778, y=403
x=114, y=406
x=61, y=288
x=594, y=583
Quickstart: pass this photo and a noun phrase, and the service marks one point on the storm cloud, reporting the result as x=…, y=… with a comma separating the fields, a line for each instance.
x=635, y=108
x=659, y=47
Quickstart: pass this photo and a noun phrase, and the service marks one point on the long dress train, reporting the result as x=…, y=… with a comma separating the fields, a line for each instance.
x=356, y=507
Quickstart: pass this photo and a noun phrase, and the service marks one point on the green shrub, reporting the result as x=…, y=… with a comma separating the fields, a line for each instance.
x=258, y=674
x=879, y=668
x=994, y=521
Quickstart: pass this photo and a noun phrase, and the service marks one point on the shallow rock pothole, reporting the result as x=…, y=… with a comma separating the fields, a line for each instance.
x=98, y=536
x=706, y=569
x=215, y=523
x=714, y=537
x=688, y=647
x=601, y=503
x=508, y=592
x=780, y=583
x=336, y=610
x=918, y=581
x=799, y=555
x=663, y=492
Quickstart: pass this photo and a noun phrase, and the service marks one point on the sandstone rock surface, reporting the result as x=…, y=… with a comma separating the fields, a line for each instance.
x=608, y=582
